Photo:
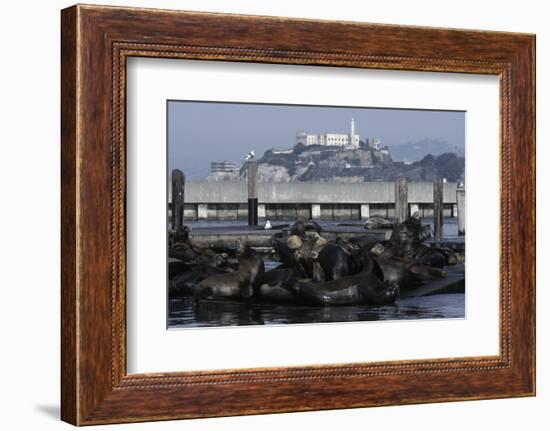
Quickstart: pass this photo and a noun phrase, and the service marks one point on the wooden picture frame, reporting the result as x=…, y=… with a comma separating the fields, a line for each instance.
x=95, y=43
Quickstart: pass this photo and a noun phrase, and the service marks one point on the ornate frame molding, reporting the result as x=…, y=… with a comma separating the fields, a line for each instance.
x=96, y=41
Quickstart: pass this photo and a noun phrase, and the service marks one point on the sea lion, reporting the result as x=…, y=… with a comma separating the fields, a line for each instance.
x=318, y=273
x=190, y=254
x=341, y=258
x=335, y=261
x=186, y=282
x=300, y=228
x=378, y=223
x=239, y=284
x=318, y=240
x=305, y=256
x=297, y=252
x=185, y=250
x=284, y=251
x=294, y=242
x=273, y=286
x=365, y=287
x=450, y=255
x=398, y=273
x=313, y=226
x=426, y=272
x=176, y=266
x=408, y=238
x=390, y=255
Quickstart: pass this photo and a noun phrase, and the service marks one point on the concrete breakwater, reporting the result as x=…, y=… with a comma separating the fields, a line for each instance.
x=227, y=200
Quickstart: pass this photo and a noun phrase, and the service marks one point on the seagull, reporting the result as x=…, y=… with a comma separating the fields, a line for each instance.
x=250, y=155
x=267, y=225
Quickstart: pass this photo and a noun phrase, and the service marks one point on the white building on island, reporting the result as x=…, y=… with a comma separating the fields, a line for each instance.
x=373, y=143
x=350, y=140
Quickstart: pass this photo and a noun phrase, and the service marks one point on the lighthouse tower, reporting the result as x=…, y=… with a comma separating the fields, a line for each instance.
x=352, y=134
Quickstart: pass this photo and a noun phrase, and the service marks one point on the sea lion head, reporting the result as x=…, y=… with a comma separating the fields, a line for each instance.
x=391, y=293
x=378, y=249
x=294, y=242
x=219, y=260
x=181, y=235
x=298, y=228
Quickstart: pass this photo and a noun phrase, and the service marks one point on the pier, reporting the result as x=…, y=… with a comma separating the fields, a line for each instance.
x=224, y=216
x=232, y=201
x=315, y=200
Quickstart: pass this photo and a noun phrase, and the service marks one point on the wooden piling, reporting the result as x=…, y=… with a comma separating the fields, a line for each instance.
x=438, y=210
x=461, y=210
x=401, y=200
x=178, y=198
x=252, y=174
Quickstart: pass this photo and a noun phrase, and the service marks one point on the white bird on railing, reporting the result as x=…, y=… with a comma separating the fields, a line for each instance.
x=250, y=155
x=267, y=225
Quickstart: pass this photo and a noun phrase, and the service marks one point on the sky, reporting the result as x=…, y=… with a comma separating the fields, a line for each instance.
x=201, y=132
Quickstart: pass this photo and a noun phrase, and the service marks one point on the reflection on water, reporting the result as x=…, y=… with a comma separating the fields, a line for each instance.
x=184, y=313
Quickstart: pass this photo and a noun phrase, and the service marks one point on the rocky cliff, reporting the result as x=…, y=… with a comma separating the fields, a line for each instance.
x=334, y=164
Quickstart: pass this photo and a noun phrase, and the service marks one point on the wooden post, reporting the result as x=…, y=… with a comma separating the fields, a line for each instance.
x=252, y=167
x=461, y=207
x=178, y=191
x=438, y=210
x=401, y=200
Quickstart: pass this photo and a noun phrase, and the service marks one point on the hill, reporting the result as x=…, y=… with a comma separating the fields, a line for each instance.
x=414, y=151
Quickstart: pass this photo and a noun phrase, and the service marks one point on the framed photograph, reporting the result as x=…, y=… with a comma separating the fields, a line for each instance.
x=264, y=214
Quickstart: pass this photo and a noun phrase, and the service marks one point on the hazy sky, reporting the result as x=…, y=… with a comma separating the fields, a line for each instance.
x=201, y=132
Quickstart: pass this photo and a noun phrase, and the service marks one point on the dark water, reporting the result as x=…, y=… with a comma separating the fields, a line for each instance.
x=184, y=313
